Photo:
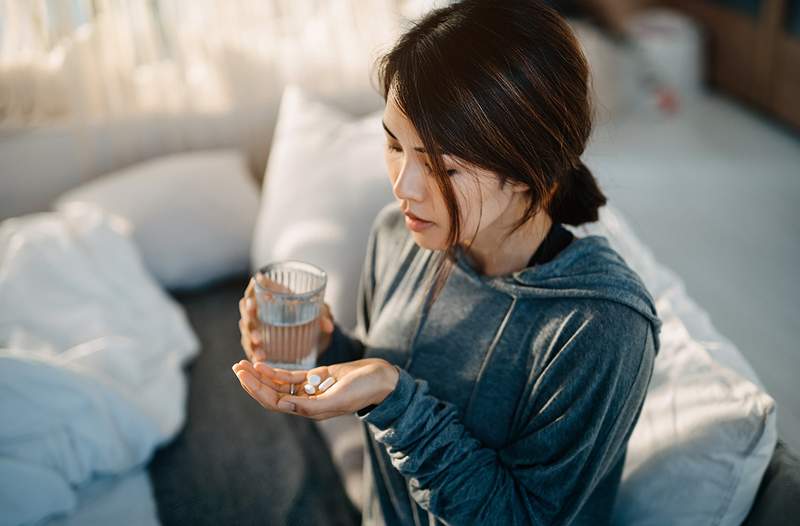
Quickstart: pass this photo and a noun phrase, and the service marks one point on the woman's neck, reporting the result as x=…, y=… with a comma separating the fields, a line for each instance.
x=492, y=255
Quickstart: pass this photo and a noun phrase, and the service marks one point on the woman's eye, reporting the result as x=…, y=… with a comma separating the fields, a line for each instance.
x=393, y=148
x=449, y=172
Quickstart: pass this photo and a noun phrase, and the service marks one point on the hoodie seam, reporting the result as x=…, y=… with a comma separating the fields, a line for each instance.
x=487, y=358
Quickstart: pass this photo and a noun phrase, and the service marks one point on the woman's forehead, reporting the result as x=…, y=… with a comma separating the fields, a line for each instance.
x=396, y=120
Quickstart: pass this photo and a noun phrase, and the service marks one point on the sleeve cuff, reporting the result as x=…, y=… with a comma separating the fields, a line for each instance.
x=383, y=415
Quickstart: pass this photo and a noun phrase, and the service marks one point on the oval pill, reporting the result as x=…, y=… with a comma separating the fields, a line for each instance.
x=310, y=389
x=314, y=379
x=329, y=381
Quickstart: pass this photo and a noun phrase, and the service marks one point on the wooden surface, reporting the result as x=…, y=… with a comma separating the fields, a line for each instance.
x=753, y=59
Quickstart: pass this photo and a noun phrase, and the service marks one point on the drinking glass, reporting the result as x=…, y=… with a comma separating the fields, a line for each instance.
x=289, y=310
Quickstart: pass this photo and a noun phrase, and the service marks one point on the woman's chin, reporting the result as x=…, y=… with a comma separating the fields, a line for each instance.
x=427, y=241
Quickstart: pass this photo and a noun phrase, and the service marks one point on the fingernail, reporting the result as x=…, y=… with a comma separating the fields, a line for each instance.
x=288, y=406
x=248, y=303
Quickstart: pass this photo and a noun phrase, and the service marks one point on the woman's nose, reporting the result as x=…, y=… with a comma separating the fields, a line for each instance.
x=410, y=184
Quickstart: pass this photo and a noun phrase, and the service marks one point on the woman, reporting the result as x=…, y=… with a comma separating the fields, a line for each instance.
x=499, y=363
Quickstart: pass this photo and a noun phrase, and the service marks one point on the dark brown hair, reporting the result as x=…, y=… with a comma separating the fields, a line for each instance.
x=504, y=86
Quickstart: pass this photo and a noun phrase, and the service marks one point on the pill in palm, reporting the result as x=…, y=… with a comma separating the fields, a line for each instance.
x=314, y=379
x=310, y=389
x=327, y=383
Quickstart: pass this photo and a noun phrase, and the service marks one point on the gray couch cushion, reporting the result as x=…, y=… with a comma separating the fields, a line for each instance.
x=778, y=498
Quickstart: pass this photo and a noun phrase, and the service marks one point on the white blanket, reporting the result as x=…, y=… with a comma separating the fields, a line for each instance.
x=91, y=359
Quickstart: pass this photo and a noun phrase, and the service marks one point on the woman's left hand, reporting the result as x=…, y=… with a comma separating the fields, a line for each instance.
x=358, y=384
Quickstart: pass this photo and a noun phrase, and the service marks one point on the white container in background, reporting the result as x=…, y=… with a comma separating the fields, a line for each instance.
x=673, y=45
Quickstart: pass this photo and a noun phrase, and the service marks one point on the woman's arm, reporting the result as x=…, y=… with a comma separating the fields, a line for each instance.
x=575, y=424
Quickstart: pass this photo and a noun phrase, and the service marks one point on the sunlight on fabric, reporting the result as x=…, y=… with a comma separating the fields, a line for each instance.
x=94, y=60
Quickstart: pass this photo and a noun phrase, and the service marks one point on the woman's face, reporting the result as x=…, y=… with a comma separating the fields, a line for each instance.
x=414, y=186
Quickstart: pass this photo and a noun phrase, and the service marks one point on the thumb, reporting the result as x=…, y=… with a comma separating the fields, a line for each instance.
x=327, y=318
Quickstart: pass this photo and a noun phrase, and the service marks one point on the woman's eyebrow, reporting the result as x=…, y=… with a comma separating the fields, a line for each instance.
x=418, y=149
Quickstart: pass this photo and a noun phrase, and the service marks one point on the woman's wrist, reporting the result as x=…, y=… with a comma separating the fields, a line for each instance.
x=390, y=379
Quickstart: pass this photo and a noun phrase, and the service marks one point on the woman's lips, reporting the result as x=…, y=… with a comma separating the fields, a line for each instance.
x=416, y=224
x=412, y=216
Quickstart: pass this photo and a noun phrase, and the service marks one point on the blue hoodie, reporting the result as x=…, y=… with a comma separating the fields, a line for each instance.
x=517, y=393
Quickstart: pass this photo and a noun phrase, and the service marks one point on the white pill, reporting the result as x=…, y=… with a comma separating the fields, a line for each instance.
x=314, y=379
x=329, y=381
x=310, y=389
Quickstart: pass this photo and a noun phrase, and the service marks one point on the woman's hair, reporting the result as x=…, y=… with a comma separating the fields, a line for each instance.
x=504, y=86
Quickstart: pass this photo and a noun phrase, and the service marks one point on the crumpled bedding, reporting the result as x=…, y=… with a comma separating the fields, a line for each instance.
x=91, y=359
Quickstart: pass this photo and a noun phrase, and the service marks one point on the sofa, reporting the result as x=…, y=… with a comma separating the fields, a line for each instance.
x=232, y=462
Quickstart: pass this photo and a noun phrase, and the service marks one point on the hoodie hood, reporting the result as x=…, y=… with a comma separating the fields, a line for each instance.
x=587, y=268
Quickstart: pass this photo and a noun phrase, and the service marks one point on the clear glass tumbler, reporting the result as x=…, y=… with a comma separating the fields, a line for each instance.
x=289, y=311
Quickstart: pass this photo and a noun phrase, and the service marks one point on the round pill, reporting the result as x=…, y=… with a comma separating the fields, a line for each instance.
x=310, y=389
x=314, y=379
x=329, y=381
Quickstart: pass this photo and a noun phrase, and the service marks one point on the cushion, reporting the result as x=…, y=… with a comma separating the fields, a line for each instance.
x=707, y=430
x=325, y=181
x=192, y=214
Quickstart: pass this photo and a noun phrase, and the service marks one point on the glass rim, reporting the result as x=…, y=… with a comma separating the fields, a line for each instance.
x=296, y=264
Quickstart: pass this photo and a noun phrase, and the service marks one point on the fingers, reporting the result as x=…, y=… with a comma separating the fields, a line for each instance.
x=257, y=389
x=319, y=406
x=245, y=343
x=248, y=311
x=290, y=377
x=250, y=326
x=322, y=404
x=249, y=292
x=251, y=341
x=326, y=323
x=325, y=329
x=319, y=378
x=279, y=387
x=270, y=284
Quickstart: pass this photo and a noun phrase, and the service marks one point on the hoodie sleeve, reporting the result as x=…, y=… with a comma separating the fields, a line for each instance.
x=345, y=345
x=574, y=422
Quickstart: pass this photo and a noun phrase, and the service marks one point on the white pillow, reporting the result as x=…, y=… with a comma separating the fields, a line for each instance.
x=325, y=181
x=192, y=213
x=707, y=430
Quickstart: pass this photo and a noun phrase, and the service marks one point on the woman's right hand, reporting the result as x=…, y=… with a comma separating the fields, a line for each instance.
x=251, y=328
